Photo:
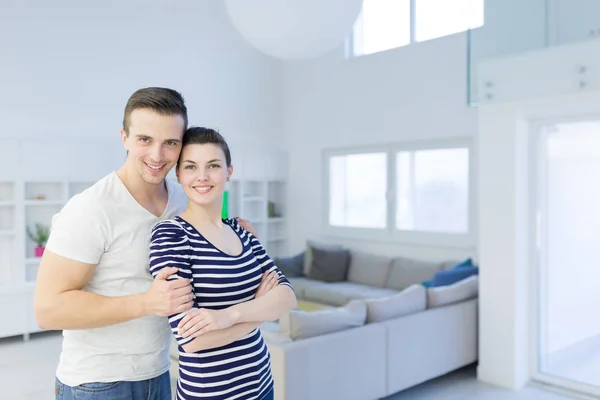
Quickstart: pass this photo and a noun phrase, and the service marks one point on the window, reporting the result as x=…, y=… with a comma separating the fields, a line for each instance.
x=357, y=187
x=437, y=18
x=382, y=25
x=388, y=24
x=401, y=192
x=433, y=190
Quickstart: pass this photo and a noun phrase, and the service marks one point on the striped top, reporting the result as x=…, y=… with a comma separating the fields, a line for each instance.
x=240, y=370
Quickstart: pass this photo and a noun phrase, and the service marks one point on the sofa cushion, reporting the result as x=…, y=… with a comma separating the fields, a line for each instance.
x=340, y=293
x=407, y=271
x=452, y=264
x=308, y=256
x=450, y=276
x=300, y=285
x=291, y=266
x=329, y=265
x=460, y=291
x=411, y=300
x=299, y=324
x=368, y=269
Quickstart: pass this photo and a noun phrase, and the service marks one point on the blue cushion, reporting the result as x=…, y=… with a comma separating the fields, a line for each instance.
x=450, y=276
x=465, y=264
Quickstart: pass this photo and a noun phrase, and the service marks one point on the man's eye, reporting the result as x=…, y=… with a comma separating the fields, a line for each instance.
x=172, y=144
x=144, y=140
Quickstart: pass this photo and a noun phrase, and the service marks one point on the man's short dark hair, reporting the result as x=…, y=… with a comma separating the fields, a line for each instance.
x=163, y=101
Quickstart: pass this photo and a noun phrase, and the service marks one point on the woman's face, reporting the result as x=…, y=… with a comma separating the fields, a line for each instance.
x=203, y=172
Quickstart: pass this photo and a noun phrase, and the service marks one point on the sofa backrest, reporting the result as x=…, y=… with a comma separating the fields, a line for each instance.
x=368, y=268
x=408, y=271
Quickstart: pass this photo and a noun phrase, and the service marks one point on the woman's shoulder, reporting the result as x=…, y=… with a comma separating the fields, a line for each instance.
x=172, y=226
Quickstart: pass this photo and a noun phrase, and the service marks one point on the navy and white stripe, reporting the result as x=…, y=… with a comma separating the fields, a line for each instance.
x=240, y=370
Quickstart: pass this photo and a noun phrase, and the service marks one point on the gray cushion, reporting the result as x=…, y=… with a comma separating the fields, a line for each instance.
x=411, y=300
x=308, y=257
x=407, y=271
x=329, y=265
x=368, y=269
x=299, y=324
x=300, y=285
x=340, y=293
x=291, y=266
x=460, y=291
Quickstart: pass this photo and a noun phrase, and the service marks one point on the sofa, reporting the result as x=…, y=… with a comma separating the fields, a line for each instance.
x=390, y=325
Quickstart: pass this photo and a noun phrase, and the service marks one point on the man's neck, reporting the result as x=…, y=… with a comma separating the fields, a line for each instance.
x=141, y=190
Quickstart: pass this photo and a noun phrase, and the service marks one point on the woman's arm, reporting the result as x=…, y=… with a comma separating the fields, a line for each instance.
x=223, y=337
x=269, y=307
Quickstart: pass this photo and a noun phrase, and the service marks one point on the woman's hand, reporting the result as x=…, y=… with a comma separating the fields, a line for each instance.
x=202, y=320
x=268, y=282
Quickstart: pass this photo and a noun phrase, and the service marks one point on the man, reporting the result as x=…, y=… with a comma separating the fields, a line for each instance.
x=93, y=282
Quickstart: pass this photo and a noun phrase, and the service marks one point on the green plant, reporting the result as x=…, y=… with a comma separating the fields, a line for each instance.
x=41, y=235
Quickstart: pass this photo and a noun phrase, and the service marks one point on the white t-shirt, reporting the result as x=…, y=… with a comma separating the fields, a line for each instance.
x=106, y=226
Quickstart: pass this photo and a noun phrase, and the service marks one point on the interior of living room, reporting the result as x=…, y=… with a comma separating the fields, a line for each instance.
x=419, y=170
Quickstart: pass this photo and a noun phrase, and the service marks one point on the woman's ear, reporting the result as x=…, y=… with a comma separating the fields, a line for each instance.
x=229, y=172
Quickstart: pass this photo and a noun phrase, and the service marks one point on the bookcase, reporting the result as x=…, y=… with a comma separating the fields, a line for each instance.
x=262, y=202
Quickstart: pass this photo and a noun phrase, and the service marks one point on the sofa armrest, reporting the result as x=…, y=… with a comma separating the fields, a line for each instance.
x=343, y=365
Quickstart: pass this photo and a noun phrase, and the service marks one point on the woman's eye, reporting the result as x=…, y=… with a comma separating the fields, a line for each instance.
x=190, y=167
x=214, y=166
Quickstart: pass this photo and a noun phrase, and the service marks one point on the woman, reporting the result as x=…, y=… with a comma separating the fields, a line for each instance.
x=222, y=354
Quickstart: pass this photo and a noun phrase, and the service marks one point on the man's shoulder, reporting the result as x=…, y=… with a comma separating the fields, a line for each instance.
x=177, y=196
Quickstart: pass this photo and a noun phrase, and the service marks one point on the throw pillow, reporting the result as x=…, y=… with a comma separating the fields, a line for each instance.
x=291, y=266
x=411, y=300
x=450, y=276
x=308, y=257
x=299, y=324
x=329, y=265
x=460, y=291
x=368, y=269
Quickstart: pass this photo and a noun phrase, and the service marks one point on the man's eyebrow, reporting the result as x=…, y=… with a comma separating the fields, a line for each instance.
x=173, y=140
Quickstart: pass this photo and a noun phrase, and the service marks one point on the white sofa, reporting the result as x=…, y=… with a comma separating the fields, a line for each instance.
x=407, y=334
x=376, y=359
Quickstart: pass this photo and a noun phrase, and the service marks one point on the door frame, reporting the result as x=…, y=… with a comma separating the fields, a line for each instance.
x=538, y=133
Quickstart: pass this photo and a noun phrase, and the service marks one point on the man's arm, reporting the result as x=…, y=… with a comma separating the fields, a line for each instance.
x=61, y=303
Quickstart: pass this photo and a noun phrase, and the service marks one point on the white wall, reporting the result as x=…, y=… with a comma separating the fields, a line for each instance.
x=527, y=88
x=68, y=68
x=410, y=93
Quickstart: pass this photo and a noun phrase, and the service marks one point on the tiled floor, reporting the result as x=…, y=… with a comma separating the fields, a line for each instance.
x=27, y=373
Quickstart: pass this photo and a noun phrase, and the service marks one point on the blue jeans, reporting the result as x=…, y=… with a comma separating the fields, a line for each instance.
x=158, y=388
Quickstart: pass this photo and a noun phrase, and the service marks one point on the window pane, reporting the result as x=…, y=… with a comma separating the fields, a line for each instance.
x=437, y=18
x=383, y=25
x=433, y=190
x=357, y=187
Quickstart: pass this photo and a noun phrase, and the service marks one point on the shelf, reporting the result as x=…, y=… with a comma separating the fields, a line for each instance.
x=32, y=260
x=7, y=192
x=4, y=203
x=253, y=198
x=4, y=232
x=44, y=202
x=276, y=239
x=275, y=220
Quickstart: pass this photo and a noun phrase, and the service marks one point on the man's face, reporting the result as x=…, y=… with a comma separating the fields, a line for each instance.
x=153, y=143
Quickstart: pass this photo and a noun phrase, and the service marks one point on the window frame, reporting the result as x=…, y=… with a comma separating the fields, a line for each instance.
x=390, y=233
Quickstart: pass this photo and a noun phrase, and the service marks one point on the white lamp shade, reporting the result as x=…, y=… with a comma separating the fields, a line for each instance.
x=294, y=29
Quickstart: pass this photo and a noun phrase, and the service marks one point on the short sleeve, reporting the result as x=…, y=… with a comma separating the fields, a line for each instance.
x=169, y=247
x=266, y=263
x=80, y=231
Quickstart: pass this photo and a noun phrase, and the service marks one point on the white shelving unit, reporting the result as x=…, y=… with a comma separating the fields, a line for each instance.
x=250, y=199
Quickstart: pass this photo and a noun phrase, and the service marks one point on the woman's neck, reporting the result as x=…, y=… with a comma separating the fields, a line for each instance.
x=203, y=215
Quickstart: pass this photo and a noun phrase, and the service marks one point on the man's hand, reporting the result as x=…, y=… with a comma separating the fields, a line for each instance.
x=202, y=320
x=268, y=282
x=247, y=225
x=165, y=297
